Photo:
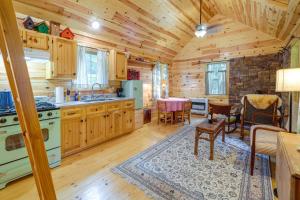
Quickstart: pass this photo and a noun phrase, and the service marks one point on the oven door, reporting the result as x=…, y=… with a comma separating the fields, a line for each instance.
x=12, y=145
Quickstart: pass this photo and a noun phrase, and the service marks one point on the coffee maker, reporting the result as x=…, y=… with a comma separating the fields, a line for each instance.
x=119, y=92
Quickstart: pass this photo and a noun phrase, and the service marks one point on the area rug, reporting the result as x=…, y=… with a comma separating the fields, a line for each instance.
x=169, y=170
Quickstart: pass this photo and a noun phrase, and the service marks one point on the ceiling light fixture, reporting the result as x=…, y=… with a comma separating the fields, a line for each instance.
x=95, y=25
x=201, y=29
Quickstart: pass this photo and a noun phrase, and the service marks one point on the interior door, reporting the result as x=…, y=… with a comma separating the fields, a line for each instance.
x=96, y=128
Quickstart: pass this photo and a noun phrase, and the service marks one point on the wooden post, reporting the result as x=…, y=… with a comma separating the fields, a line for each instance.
x=17, y=73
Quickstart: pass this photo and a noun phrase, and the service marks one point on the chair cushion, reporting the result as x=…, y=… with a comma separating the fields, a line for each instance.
x=232, y=119
x=266, y=141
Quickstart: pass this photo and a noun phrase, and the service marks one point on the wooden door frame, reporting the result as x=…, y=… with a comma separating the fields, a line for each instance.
x=19, y=81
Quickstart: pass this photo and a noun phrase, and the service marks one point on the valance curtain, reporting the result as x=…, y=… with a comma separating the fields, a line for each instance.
x=89, y=72
x=160, y=79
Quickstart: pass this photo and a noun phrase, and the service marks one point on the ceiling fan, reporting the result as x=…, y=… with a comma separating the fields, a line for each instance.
x=202, y=29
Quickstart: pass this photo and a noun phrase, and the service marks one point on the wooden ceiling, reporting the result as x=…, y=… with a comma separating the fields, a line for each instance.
x=161, y=28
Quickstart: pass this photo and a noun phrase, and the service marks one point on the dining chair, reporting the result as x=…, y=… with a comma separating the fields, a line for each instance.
x=163, y=114
x=224, y=111
x=185, y=113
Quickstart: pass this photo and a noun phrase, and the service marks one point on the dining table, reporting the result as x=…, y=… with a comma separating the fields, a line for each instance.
x=174, y=104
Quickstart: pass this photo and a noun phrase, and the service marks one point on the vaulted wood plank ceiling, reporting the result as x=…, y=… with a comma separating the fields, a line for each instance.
x=161, y=28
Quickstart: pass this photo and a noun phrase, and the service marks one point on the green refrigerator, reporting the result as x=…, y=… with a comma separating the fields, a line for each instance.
x=134, y=89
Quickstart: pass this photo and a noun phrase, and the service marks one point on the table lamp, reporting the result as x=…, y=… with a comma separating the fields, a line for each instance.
x=288, y=80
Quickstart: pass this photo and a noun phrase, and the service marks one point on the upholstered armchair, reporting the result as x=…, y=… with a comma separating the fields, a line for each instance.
x=263, y=139
x=260, y=109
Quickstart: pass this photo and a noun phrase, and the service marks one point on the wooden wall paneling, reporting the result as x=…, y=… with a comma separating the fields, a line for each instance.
x=11, y=48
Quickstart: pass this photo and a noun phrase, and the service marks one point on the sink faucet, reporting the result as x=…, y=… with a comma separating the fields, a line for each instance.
x=92, y=96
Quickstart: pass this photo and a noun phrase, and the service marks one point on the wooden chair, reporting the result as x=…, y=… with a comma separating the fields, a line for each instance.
x=225, y=112
x=163, y=114
x=253, y=116
x=263, y=139
x=185, y=113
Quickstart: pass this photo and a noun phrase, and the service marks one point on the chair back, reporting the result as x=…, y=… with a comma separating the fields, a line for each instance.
x=219, y=109
x=161, y=106
x=187, y=106
x=256, y=115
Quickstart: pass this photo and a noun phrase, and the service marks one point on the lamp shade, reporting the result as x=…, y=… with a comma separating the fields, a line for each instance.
x=288, y=80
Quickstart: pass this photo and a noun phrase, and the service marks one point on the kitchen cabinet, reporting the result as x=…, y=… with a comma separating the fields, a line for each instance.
x=128, y=120
x=114, y=124
x=63, y=59
x=86, y=126
x=35, y=40
x=72, y=130
x=95, y=124
x=117, y=65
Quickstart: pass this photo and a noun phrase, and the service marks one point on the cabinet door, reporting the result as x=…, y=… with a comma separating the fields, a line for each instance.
x=72, y=130
x=95, y=128
x=64, y=58
x=121, y=66
x=71, y=135
x=128, y=120
x=114, y=124
x=36, y=40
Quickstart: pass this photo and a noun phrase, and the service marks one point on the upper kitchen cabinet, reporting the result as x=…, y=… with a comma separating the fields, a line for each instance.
x=117, y=65
x=35, y=40
x=63, y=59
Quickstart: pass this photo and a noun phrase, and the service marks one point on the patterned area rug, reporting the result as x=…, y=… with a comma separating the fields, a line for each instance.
x=169, y=170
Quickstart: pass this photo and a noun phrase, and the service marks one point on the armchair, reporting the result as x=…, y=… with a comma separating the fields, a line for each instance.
x=263, y=139
x=260, y=109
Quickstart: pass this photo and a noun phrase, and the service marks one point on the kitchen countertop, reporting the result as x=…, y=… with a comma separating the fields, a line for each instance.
x=82, y=103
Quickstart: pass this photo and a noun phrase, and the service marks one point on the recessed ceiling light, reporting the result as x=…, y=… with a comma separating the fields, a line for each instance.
x=95, y=25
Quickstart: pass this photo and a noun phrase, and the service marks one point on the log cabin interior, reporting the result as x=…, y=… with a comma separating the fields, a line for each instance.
x=149, y=99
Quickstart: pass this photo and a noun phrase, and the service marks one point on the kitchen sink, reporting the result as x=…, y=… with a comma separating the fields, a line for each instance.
x=96, y=100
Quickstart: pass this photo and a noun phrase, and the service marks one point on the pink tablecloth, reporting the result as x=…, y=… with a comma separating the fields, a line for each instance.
x=174, y=104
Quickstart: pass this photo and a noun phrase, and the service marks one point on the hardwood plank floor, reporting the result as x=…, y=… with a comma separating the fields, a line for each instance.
x=87, y=175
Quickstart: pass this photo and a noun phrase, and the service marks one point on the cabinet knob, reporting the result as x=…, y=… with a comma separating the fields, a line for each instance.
x=81, y=120
x=74, y=74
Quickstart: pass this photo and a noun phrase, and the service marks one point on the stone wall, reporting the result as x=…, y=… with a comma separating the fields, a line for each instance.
x=249, y=75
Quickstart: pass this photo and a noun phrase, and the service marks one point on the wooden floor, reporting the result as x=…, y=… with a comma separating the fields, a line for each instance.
x=87, y=175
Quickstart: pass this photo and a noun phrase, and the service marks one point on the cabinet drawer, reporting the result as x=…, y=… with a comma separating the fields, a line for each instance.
x=128, y=104
x=71, y=112
x=95, y=109
x=114, y=106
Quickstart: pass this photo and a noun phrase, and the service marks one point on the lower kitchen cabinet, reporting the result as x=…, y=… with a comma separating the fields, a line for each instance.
x=128, y=120
x=114, y=124
x=95, y=128
x=72, y=129
x=86, y=126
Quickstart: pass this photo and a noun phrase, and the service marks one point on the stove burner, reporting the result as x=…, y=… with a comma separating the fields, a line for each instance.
x=40, y=106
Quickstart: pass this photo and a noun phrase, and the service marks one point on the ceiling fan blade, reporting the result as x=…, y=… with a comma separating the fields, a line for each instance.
x=214, y=26
x=214, y=29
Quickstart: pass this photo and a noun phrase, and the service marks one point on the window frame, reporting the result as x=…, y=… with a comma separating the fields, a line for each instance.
x=226, y=79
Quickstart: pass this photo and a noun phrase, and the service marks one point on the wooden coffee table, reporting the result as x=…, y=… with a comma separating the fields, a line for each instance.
x=212, y=130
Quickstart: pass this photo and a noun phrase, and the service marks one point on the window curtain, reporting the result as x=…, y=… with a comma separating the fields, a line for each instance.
x=82, y=75
x=82, y=81
x=216, y=79
x=102, y=72
x=160, y=80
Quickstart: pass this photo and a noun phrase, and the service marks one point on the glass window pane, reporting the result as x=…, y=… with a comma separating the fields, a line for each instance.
x=216, y=79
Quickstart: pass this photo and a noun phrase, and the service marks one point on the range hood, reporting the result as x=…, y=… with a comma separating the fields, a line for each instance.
x=36, y=55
